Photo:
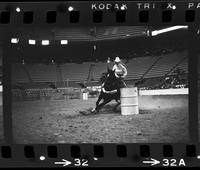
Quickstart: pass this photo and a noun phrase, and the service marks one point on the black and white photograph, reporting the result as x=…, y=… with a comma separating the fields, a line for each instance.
x=1, y=96
x=100, y=84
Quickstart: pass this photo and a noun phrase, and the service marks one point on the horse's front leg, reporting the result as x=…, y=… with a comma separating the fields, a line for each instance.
x=99, y=99
x=97, y=103
x=102, y=104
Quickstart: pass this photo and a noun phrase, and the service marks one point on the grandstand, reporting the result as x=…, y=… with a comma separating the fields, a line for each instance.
x=75, y=72
x=143, y=67
x=80, y=63
x=83, y=34
x=166, y=63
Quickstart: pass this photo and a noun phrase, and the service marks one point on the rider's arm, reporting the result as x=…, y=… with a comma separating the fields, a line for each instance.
x=125, y=71
x=114, y=68
x=116, y=75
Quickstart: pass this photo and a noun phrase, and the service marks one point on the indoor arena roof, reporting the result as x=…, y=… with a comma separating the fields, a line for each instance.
x=81, y=33
x=93, y=43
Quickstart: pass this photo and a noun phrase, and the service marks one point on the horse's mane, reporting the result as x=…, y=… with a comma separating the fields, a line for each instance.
x=109, y=80
x=103, y=77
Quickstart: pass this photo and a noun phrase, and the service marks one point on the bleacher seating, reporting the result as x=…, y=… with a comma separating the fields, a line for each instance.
x=184, y=65
x=99, y=68
x=73, y=72
x=42, y=72
x=166, y=63
x=138, y=66
x=19, y=74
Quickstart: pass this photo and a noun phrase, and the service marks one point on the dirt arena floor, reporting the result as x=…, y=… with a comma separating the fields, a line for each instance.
x=62, y=122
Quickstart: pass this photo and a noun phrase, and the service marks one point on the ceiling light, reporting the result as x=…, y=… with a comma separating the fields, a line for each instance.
x=156, y=32
x=32, y=42
x=64, y=42
x=14, y=40
x=70, y=8
x=45, y=42
x=18, y=9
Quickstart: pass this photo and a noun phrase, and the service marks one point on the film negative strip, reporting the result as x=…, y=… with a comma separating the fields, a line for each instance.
x=100, y=84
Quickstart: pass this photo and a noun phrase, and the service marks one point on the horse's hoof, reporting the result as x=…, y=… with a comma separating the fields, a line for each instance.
x=94, y=111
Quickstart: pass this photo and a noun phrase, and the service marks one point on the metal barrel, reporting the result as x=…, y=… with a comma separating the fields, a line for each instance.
x=129, y=101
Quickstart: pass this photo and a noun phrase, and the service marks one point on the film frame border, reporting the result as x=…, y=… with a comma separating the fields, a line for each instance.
x=130, y=153
x=99, y=13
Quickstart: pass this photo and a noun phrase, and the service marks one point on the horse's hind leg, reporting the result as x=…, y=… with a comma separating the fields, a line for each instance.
x=115, y=108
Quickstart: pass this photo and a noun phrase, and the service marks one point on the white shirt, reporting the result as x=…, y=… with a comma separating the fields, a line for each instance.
x=120, y=70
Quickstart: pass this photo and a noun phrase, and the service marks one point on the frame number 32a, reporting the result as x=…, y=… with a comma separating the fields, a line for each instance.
x=173, y=162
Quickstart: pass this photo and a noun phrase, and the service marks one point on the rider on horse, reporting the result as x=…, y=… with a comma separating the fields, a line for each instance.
x=112, y=82
x=120, y=71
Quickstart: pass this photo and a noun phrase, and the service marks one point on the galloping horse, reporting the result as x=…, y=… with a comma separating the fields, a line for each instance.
x=110, y=91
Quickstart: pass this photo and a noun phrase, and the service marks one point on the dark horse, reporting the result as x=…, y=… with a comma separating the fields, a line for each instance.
x=110, y=90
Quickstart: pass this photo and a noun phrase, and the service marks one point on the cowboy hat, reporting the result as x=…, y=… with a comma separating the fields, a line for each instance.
x=117, y=59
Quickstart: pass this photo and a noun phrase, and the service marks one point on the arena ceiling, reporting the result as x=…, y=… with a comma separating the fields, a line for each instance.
x=81, y=33
x=93, y=43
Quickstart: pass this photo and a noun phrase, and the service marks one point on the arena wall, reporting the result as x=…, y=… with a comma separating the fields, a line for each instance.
x=164, y=92
x=163, y=99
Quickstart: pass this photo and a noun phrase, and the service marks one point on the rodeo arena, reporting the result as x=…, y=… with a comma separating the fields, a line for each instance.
x=119, y=84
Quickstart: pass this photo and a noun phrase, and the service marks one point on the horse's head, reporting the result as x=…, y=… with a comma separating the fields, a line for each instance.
x=111, y=81
x=111, y=75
